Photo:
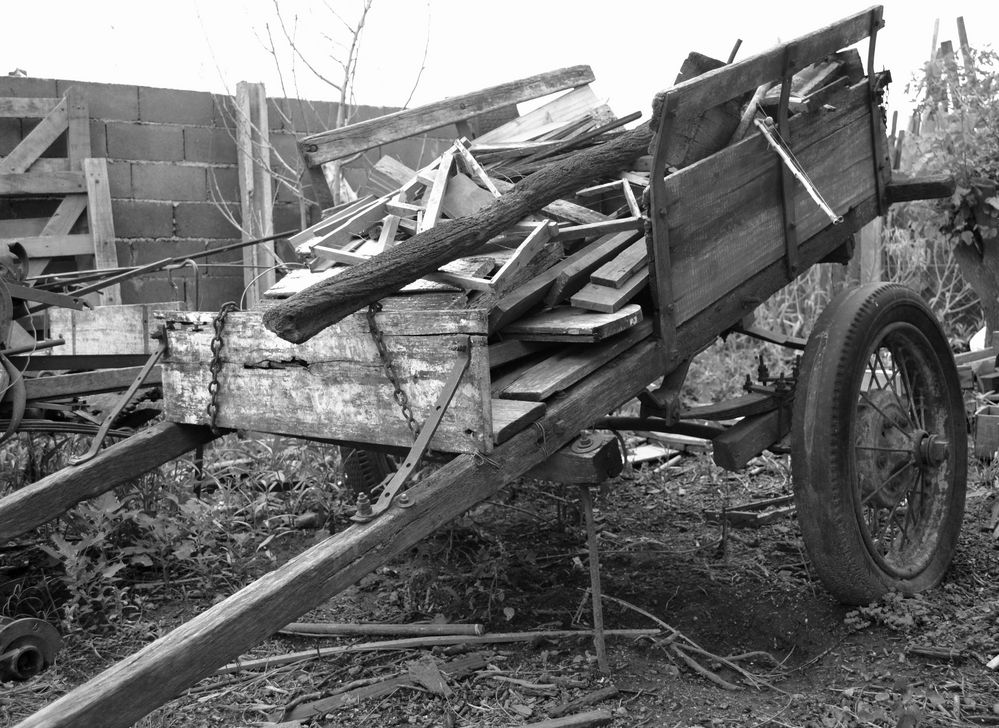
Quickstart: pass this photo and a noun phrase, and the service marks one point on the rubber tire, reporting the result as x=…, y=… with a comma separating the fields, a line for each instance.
x=364, y=469
x=827, y=494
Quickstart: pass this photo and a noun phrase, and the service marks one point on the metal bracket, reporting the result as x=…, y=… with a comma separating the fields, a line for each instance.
x=120, y=405
x=392, y=484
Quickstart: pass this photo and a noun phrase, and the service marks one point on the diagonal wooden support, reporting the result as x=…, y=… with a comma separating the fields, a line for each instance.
x=596, y=593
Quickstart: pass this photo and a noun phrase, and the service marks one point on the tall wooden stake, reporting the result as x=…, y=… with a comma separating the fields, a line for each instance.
x=595, y=591
x=255, y=194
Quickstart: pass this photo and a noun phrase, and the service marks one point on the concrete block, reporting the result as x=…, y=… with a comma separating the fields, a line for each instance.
x=205, y=220
x=106, y=100
x=120, y=179
x=223, y=184
x=224, y=112
x=146, y=142
x=98, y=138
x=174, y=106
x=28, y=88
x=174, y=182
x=142, y=219
x=309, y=117
x=209, y=144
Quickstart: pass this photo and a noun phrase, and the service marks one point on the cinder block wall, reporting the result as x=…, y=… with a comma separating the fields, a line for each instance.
x=173, y=174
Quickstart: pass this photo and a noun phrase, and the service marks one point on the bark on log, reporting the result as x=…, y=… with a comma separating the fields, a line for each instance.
x=304, y=315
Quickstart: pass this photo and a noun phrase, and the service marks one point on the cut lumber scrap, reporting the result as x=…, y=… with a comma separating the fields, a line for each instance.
x=42, y=183
x=630, y=261
x=571, y=325
x=50, y=497
x=572, y=277
x=334, y=386
x=561, y=210
x=511, y=416
x=566, y=108
x=126, y=691
x=302, y=316
x=570, y=364
x=101, y=223
x=123, y=329
x=335, y=217
x=48, y=246
x=36, y=141
x=349, y=140
x=464, y=197
x=434, y=197
x=589, y=459
x=532, y=246
x=595, y=297
x=742, y=442
x=603, y=227
x=347, y=229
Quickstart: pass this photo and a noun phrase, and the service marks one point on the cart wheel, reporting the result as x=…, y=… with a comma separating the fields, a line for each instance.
x=879, y=453
x=364, y=469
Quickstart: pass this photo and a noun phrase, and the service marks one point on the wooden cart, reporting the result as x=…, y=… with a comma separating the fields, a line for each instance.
x=874, y=411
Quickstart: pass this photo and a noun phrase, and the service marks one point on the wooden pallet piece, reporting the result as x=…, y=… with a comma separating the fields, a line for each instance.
x=627, y=263
x=567, y=108
x=560, y=371
x=101, y=223
x=595, y=297
x=571, y=325
x=574, y=276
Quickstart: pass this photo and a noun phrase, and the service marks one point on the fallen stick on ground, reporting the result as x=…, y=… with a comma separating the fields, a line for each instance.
x=417, y=642
x=580, y=720
x=330, y=629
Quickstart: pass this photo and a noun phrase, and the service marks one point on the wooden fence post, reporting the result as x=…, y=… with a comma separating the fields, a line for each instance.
x=255, y=193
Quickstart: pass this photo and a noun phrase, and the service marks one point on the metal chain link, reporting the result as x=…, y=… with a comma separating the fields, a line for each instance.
x=387, y=365
x=215, y=367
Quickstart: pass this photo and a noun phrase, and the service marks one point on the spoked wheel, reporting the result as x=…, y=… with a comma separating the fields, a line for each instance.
x=879, y=454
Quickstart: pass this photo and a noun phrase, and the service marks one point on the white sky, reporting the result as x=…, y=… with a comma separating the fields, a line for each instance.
x=634, y=46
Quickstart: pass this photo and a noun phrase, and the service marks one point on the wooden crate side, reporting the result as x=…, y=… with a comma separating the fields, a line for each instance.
x=333, y=386
x=124, y=329
x=728, y=228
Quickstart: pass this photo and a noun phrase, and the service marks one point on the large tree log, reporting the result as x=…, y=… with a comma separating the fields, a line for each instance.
x=304, y=315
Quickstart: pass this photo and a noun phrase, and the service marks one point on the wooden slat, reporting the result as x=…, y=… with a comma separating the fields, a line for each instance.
x=627, y=263
x=333, y=386
x=560, y=371
x=102, y=380
x=101, y=222
x=66, y=215
x=732, y=80
x=42, y=183
x=253, y=155
x=595, y=297
x=504, y=352
x=22, y=108
x=50, y=246
x=349, y=140
x=511, y=416
x=77, y=129
x=533, y=244
x=572, y=325
x=566, y=108
x=35, y=143
x=331, y=220
x=346, y=230
x=574, y=276
x=121, y=329
x=464, y=197
x=434, y=196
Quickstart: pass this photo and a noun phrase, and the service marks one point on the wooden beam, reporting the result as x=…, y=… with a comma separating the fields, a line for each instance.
x=349, y=140
x=101, y=223
x=742, y=442
x=36, y=142
x=125, y=692
x=50, y=246
x=102, y=380
x=50, y=497
x=77, y=129
x=596, y=297
x=66, y=215
x=599, y=459
x=571, y=325
x=627, y=263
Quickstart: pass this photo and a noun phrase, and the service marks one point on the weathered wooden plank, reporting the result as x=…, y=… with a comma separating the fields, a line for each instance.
x=464, y=197
x=511, y=416
x=595, y=297
x=50, y=497
x=732, y=80
x=526, y=252
x=253, y=156
x=572, y=325
x=349, y=140
x=101, y=222
x=601, y=461
x=574, y=276
x=42, y=183
x=627, y=263
x=120, y=329
x=128, y=690
x=77, y=128
x=49, y=246
x=434, y=196
x=566, y=108
x=346, y=230
x=23, y=108
x=331, y=220
x=35, y=142
x=560, y=371
x=333, y=386
x=562, y=210
x=504, y=352
x=81, y=383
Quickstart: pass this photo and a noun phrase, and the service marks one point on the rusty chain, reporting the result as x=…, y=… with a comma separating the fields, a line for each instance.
x=215, y=367
x=389, y=368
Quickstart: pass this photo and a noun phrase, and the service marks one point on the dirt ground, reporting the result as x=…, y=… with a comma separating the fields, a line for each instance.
x=520, y=564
